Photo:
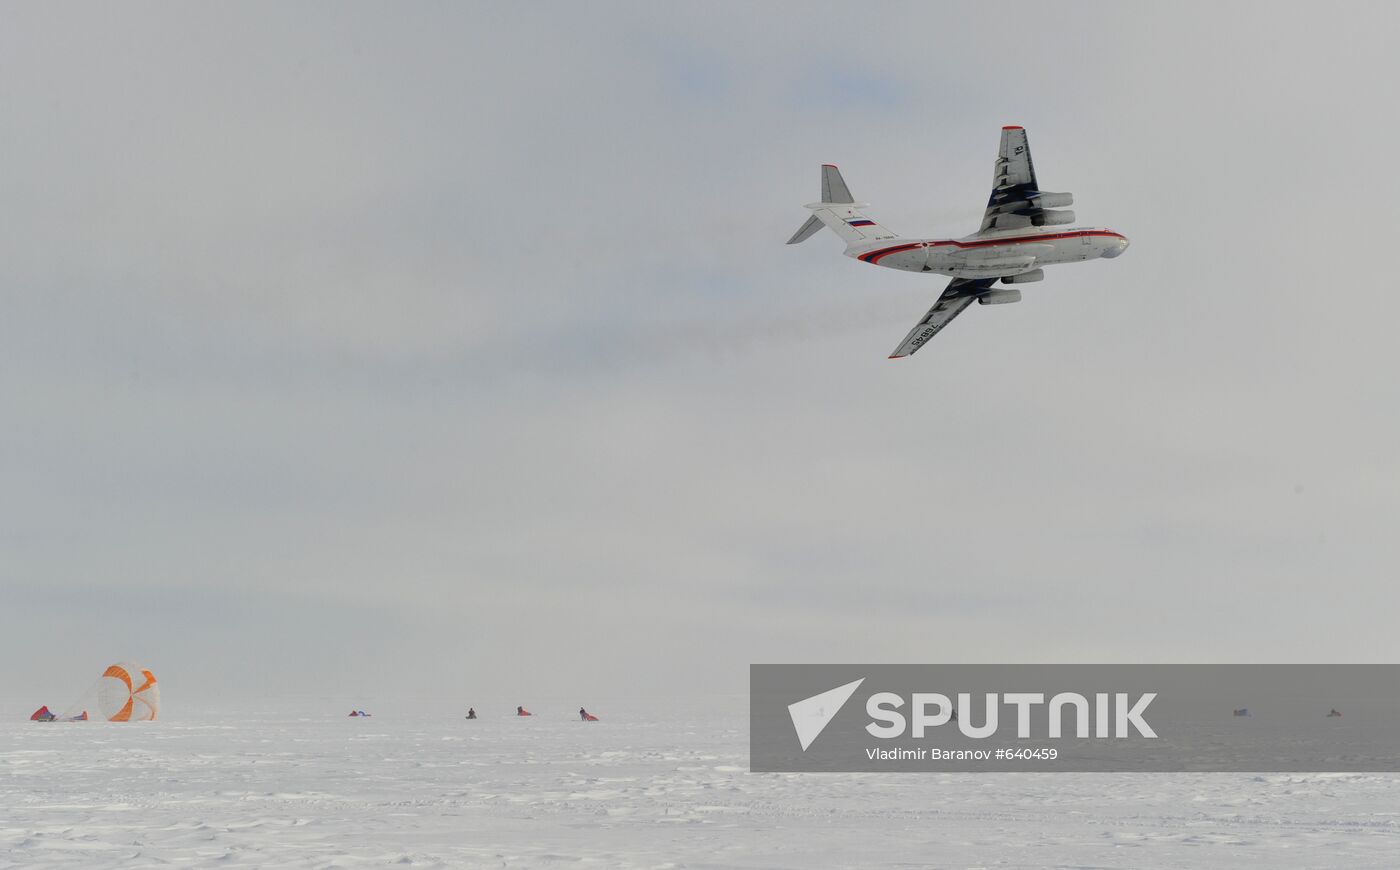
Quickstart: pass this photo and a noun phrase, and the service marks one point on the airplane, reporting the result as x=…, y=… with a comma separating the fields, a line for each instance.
x=1012, y=246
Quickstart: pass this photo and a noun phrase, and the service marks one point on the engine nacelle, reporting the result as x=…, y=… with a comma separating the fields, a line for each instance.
x=1025, y=277
x=999, y=297
x=1054, y=200
x=1053, y=218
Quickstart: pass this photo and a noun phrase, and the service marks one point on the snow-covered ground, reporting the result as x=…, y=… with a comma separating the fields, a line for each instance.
x=665, y=790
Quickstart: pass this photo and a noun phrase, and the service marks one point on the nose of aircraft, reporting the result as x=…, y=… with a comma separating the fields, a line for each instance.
x=1119, y=246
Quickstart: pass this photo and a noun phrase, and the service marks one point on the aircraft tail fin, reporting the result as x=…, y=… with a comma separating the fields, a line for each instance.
x=834, y=187
x=839, y=211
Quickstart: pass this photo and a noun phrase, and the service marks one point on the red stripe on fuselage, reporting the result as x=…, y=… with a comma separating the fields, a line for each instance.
x=875, y=256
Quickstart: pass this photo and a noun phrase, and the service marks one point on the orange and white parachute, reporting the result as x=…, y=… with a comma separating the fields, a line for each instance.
x=128, y=693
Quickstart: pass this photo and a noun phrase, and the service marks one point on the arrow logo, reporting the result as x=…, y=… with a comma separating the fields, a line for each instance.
x=810, y=716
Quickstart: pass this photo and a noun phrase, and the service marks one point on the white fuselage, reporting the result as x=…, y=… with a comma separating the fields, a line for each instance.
x=993, y=255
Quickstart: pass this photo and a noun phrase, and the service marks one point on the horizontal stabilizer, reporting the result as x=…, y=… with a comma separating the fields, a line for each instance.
x=806, y=231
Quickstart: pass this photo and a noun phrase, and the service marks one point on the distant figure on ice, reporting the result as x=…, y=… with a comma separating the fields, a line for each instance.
x=358, y=713
x=471, y=712
x=521, y=711
x=1243, y=711
x=1334, y=713
x=586, y=716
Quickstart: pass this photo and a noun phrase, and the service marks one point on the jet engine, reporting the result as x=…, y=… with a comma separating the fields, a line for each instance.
x=1025, y=277
x=1053, y=218
x=999, y=297
x=1054, y=200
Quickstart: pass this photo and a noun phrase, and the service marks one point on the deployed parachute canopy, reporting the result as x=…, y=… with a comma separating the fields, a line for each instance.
x=128, y=693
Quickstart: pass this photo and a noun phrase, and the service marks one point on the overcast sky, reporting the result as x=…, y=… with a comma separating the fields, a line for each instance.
x=454, y=348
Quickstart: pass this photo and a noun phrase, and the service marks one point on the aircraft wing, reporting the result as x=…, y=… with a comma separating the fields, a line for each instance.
x=960, y=293
x=1017, y=200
